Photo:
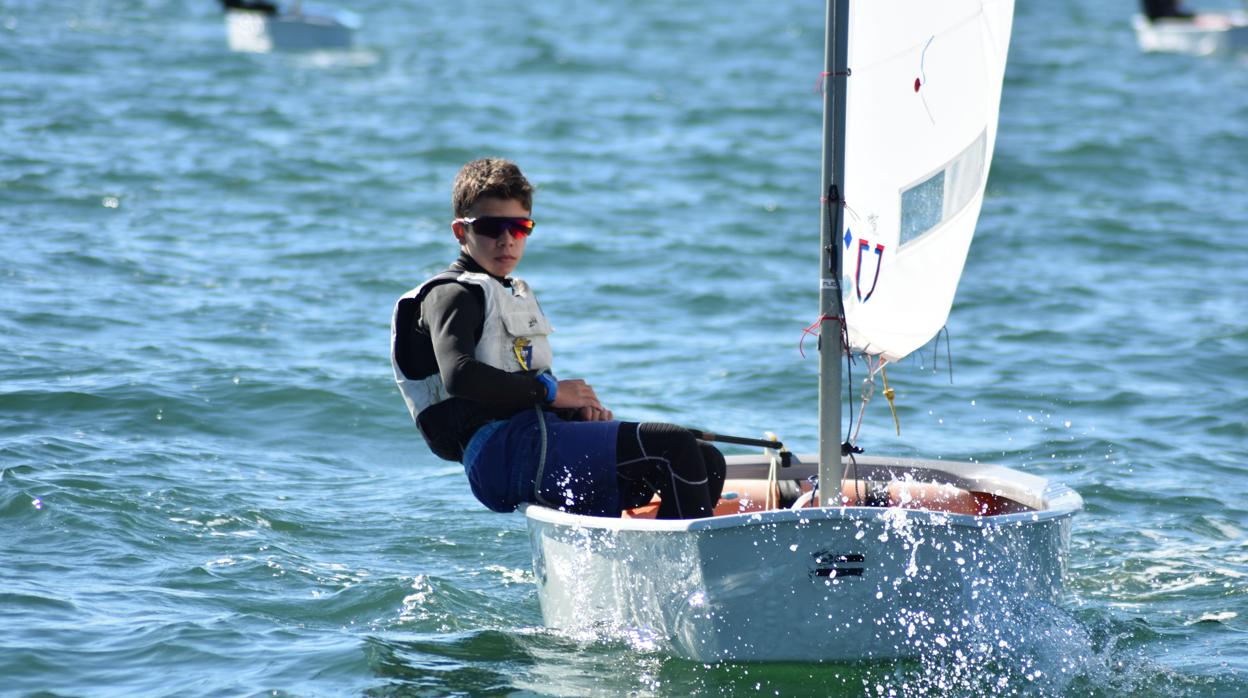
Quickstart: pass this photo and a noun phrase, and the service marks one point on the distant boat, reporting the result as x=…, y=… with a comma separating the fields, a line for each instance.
x=260, y=26
x=1205, y=34
x=889, y=557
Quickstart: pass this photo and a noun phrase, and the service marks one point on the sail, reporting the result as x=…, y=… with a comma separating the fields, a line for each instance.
x=921, y=120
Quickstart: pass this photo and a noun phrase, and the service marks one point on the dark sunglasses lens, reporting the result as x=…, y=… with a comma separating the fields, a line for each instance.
x=494, y=228
x=522, y=227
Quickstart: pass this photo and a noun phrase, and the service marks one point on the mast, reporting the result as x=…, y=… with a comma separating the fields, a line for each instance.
x=835, y=68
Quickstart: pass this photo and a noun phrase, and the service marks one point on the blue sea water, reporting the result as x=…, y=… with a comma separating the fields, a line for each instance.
x=209, y=484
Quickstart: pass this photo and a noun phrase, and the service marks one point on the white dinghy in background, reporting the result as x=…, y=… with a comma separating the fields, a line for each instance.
x=1206, y=34
x=261, y=26
x=903, y=554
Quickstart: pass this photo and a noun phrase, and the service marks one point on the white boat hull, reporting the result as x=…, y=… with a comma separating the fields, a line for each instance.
x=250, y=31
x=1206, y=35
x=807, y=584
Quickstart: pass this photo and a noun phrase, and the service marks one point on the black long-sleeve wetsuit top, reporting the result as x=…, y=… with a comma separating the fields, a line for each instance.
x=437, y=332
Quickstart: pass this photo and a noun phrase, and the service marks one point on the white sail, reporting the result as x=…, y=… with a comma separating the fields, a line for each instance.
x=923, y=95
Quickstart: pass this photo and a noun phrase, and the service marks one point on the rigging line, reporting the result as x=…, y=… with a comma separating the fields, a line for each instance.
x=824, y=74
x=812, y=328
x=858, y=481
x=834, y=198
x=923, y=82
x=949, y=352
x=948, y=29
x=844, y=206
x=771, y=475
x=875, y=365
x=867, y=392
x=541, y=459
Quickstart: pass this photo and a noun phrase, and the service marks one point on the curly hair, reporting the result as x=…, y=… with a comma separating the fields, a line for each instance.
x=489, y=178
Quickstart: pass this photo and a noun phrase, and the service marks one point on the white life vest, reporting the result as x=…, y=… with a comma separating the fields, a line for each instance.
x=513, y=337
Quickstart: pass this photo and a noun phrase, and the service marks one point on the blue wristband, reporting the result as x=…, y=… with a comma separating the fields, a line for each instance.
x=552, y=387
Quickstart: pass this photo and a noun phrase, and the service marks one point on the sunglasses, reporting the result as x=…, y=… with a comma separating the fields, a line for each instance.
x=493, y=227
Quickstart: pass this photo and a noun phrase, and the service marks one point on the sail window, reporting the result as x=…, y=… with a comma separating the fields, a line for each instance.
x=936, y=198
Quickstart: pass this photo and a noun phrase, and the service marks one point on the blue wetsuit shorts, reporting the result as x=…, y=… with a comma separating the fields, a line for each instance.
x=505, y=465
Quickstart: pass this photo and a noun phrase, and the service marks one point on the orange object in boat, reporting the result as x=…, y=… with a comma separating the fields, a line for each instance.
x=742, y=496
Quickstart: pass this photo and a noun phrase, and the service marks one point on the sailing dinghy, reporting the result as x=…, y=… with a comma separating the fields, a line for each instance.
x=261, y=26
x=902, y=554
x=1206, y=34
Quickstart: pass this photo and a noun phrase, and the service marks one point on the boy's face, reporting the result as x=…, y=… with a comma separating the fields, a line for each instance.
x=499, y=257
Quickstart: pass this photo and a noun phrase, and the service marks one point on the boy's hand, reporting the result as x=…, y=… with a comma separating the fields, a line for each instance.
x=594, y=414
x=576, y=394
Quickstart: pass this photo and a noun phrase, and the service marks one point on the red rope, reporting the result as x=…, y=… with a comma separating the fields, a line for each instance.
x=819, y=83
x=814, y=329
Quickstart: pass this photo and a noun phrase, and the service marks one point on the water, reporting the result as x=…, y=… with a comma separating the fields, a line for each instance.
x=208, y=482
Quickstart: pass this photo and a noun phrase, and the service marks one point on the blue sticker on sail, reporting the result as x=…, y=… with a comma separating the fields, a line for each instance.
x=849, y=237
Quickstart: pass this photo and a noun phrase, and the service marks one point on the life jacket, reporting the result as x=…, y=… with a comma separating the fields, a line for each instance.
x=513, y=335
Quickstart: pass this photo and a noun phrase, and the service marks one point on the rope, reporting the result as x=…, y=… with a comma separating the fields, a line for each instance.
x=814, y=328
x=868, y=391
x=541, y=458
x=773, y=478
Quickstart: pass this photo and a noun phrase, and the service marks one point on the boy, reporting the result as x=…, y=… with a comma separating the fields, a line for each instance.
x=471, y=356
